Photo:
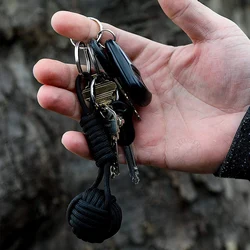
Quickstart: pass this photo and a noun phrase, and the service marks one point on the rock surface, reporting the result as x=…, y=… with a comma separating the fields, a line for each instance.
x=38, y=177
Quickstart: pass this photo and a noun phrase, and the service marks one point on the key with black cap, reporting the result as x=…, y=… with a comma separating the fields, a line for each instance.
x=127, y=74
x=126, y=137
x=107, y=65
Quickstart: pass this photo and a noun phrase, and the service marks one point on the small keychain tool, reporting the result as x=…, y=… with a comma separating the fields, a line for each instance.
x=107, y=96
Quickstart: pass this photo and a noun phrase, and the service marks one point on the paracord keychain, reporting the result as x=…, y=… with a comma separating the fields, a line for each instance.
x=107, y=121
x=94, y=214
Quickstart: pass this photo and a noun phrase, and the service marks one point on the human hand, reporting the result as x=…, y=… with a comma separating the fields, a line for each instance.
x=200, y=91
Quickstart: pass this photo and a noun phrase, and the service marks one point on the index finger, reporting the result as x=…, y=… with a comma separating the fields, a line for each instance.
x=81, y=28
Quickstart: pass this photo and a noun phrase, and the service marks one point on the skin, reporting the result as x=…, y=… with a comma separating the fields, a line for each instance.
x=200, y=91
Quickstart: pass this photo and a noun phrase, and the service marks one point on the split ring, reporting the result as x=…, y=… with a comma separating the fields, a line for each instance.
x=100, y=27
x=101, y=33
x=77, y=58
x=93, y=59
x=92, y=93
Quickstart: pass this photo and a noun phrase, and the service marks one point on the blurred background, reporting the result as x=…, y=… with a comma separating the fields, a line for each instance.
x=38, y=177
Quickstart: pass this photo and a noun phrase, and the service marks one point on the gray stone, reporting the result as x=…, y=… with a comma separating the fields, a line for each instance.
x=213, y=184
x=184, y=183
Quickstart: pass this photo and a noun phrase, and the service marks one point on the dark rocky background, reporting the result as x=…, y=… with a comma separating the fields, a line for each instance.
x=38, y=177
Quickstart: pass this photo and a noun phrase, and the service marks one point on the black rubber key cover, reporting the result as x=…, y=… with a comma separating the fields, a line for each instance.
x=127, y=74
x=101, y=57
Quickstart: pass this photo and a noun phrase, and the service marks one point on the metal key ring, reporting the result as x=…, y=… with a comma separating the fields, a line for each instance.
x=100, y=26
x=93, y=59
x=92, y=93
x=99, y=36
x=77, y=58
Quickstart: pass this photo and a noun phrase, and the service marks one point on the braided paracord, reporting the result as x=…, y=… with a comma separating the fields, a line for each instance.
x=94, y=214
x=97, y=139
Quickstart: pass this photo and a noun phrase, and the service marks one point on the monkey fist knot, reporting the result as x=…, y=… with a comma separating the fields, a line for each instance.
x=90, y=219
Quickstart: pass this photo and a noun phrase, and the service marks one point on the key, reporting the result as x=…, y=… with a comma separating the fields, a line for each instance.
x=126, y=137
x=130, y=158
x=101, y=91
x=127, y=74
x=101, y=56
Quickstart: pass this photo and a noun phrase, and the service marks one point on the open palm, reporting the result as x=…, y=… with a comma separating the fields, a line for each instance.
x=200, y=91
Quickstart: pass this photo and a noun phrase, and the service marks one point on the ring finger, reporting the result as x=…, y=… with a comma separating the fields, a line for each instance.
x=59, y=100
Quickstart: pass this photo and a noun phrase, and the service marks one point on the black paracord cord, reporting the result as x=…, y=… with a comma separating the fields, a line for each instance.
x=94, y=214
x=105, y=171
x=98, y=178
x=107, y=190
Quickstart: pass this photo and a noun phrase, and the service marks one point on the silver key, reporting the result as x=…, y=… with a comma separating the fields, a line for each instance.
x=130, y=158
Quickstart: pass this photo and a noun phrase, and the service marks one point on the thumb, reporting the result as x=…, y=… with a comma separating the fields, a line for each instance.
x=194, y=18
